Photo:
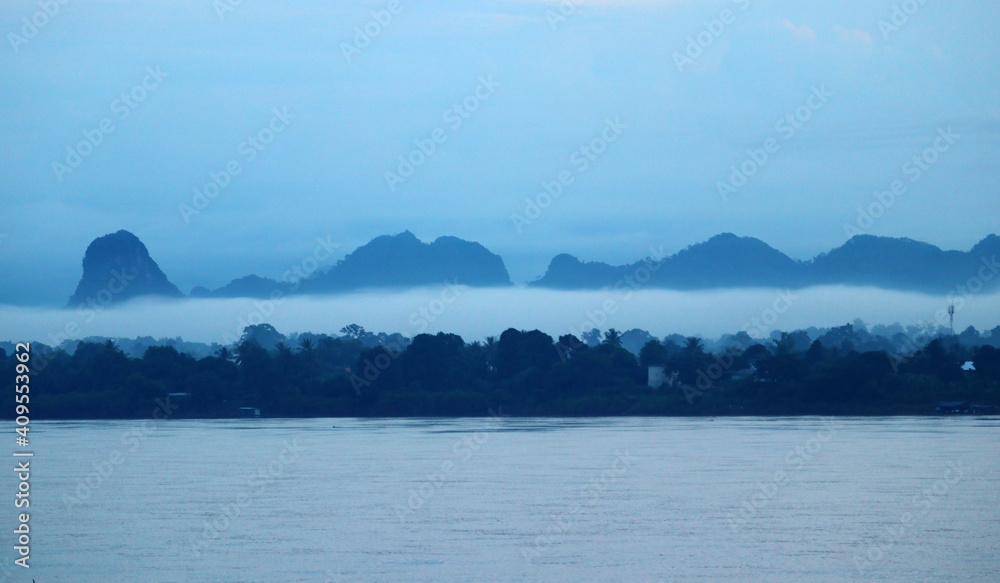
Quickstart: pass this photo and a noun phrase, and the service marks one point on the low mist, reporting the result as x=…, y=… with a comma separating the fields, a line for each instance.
x=475, y=313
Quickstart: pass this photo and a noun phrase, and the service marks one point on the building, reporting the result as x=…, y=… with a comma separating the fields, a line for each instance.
x=657, y=376
x=953, y=408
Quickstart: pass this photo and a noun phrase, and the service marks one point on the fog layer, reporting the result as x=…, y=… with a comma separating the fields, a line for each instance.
x=475, y=313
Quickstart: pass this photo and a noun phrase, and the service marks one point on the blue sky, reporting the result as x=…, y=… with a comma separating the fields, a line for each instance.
x=553, y=80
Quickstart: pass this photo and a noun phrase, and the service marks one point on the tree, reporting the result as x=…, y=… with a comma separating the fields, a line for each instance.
x=165, y=363
x=987, y=363
x=634, y=339
x=970, y=337
x=568, y=345
x=353, y=331
x=490, y=347
x=653, y=353
x=612, y=338
x=934, y=360
x=756, y=352
x=694, y=346
x=285, y=354
x=263, y=334
x=518, y=351
x=785, y=344
x=592, y=338
x=434, y=361
x=815, y=352
x=251, y=357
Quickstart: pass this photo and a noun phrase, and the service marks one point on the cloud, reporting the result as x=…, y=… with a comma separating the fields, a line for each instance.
x=801, y=32
x=853, y=38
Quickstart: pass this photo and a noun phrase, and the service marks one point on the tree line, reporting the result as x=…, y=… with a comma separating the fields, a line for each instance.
x=520, y=372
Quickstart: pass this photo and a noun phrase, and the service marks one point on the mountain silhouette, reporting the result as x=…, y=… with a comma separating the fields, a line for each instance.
x=389, y=261
x=250, y=286
x=404, y=261
x=117, y=267
x=728, y=261
x=568, y=272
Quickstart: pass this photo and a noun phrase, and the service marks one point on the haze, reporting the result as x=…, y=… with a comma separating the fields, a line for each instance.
x=531, y=90
x=475, y=313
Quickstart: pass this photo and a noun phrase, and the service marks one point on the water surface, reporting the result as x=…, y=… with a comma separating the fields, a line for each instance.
x=630, y=500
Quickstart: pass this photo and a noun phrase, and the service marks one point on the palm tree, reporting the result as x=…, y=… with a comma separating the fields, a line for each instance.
x=613, y=338
x=284, y=352
x=307, y=352
x=491, y=351
x=694, y=346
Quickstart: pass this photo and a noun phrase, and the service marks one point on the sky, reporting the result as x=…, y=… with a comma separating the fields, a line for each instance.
x=349, y=120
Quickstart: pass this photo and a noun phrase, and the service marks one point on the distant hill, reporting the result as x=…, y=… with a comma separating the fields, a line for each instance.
x=118, y=267
x=728, y=261
x=568, y=272
x=892, y=263
x=404, y=261
x=250, y=286
x=906, y=264
x=723, y=261
x=389, y=261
